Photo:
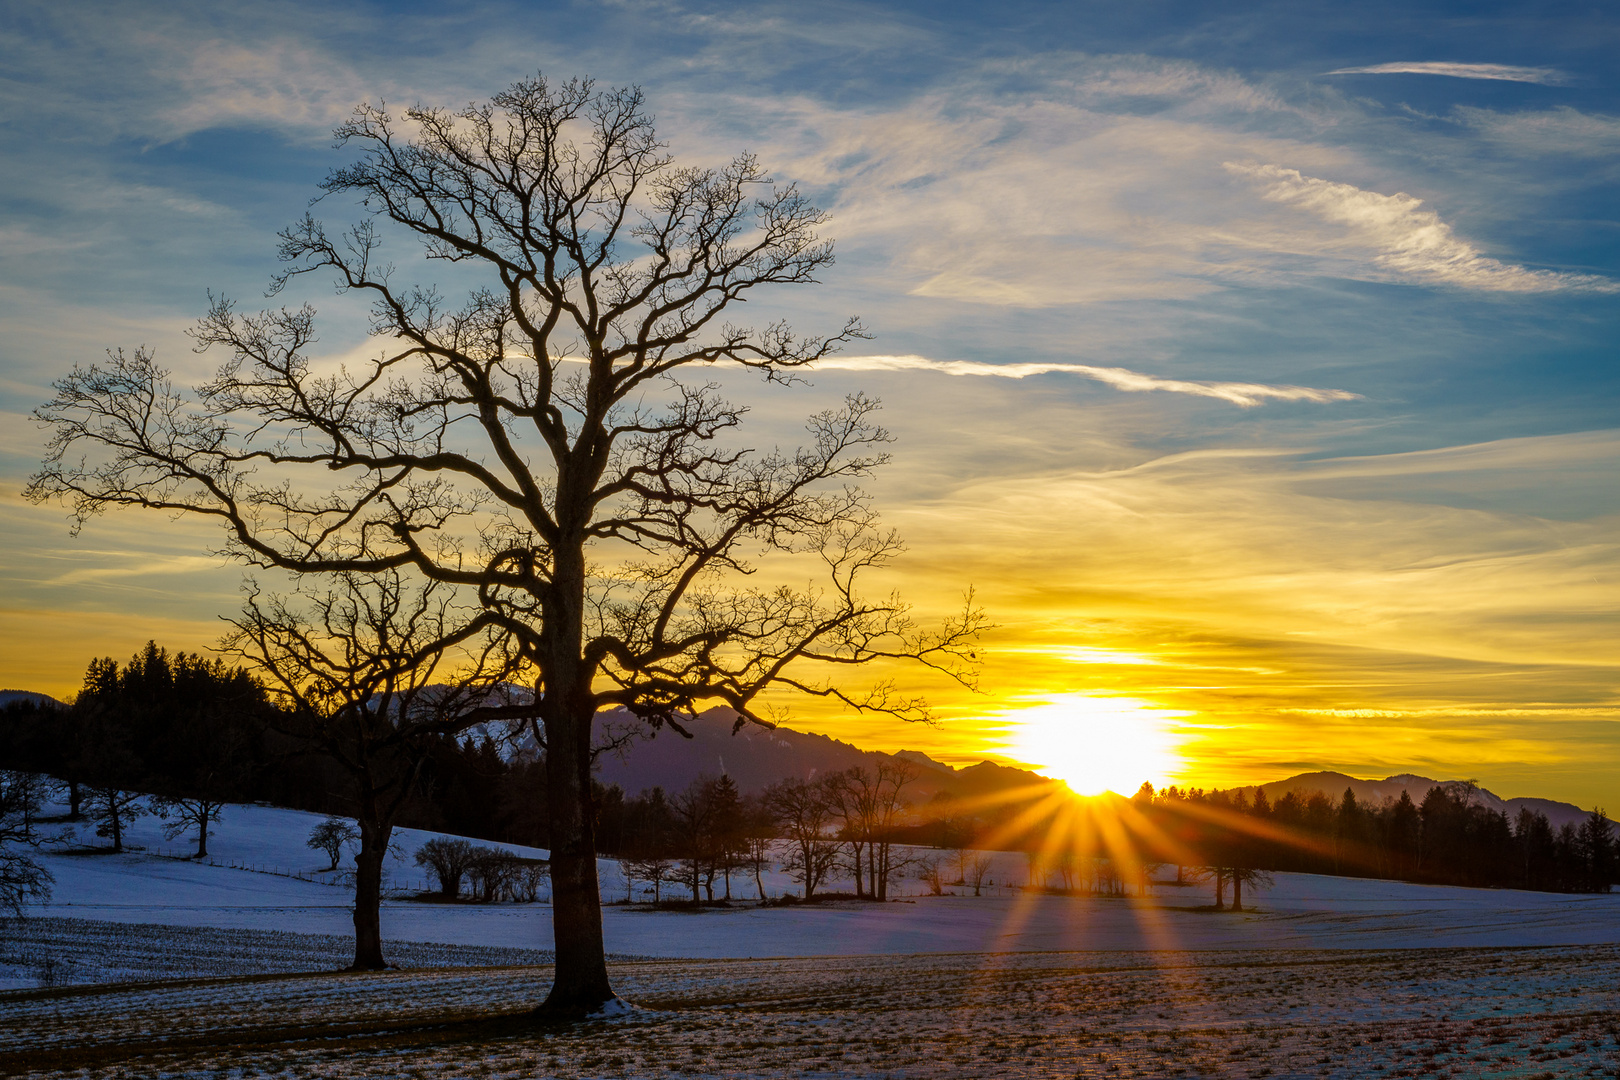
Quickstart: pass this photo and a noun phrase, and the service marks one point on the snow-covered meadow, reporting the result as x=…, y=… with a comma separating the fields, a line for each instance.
x=259, y=853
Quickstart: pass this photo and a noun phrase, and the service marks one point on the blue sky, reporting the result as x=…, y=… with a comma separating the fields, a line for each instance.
x=1294, y=382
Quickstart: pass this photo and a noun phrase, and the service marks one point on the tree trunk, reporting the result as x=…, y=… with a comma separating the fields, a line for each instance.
x=74, y=797
x=580, y=980
x=1237, y=892
x=202, y=829
x=115, y=812
x=1220, y=891
x=368, y=954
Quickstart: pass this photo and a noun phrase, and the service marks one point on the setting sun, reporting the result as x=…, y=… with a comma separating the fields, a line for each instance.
x=1095, y=744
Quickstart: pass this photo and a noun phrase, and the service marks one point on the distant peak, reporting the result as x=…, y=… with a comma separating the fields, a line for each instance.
x=917, y=757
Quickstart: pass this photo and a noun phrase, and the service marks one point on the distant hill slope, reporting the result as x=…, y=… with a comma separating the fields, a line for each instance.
x=755, y=757
x=1333, y=784
x=8, y=696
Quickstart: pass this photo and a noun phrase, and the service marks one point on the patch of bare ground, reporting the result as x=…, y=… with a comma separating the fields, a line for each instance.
x=1459, y=1012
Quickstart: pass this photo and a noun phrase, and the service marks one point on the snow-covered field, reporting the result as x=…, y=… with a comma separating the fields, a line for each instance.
x=1327, y=977
x=1302, y=911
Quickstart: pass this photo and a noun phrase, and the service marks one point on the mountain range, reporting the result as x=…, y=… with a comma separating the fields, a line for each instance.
x=755, y=757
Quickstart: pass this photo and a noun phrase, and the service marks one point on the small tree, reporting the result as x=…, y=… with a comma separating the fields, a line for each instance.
x=931, y=872
x=448, y=858
x=727, y=826
x=870, y=804
x=112, y=809
x=331, y=836
x=1597, y=843
x=804, y=813
x=1246, y=875
x=22, y=878
x=1035, y=864
x=528, y=877
x=492, y=873
x=978, y=868
x=695, y=839
x=22, y=795
x=181, y=815
x=758, y=832
x=654, y=867
x=374, y=673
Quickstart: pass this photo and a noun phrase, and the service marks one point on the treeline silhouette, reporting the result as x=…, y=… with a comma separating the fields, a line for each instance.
x=177, y=726
x=194, y=733
x=1449, y=838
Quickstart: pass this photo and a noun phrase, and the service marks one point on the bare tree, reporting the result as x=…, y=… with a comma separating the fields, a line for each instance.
x=1246, y=875
x=758, y=832
x=879, y=802
x=448, y=858
x=22, y=796
x=374, y=673
x=931, y=872
x=22, y=878
x=977, y=869
x=507, y=444
x=112, y=809
x=493, y=873
x=528, y=876
x=330, y=837
x=181, y=814
x=804, y=813
x=1217, y=876
x=654, y=866
x=693, y=812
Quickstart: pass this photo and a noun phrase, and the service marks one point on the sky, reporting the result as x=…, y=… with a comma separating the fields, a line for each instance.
x=1254, y=364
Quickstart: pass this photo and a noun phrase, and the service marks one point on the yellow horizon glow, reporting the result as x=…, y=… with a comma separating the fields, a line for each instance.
x=1096, y=744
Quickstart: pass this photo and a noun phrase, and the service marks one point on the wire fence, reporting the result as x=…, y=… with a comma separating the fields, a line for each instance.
x=339, y=879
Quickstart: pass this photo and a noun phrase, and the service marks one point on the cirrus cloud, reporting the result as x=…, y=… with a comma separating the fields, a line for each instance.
x=1246, y=395
x=1503, y=72
x=1408, y=240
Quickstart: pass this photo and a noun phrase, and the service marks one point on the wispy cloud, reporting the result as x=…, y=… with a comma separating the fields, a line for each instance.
x=1502, y=72
x=1246, y=395
x=1408, y=240
x=1563, y=130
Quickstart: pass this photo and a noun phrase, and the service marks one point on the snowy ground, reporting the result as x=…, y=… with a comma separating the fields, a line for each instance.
x=1539, y=1013
x=1328, y=977
x=1303, y=911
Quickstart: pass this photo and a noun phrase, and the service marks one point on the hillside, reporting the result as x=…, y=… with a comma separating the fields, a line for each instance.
x=9, y=696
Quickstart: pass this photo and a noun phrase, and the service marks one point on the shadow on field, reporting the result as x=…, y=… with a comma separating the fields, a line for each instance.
x=447, y=1029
